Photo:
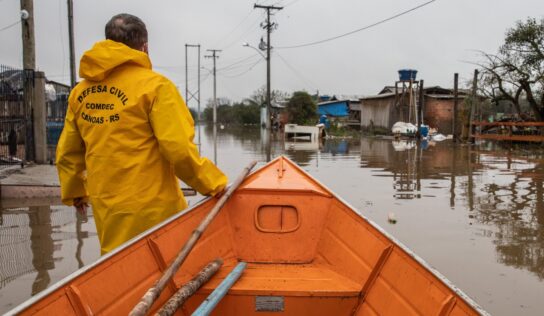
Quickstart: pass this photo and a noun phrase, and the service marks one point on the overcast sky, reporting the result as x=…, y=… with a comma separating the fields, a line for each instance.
x=438, y=40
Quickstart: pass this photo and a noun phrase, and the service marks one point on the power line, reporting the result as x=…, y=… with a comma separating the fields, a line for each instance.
x=237, y=63
x=190, y=80
x=236, y=69
x=10, y=26
x=251, y=28
x=296, y=72
x=360, y=29
x=242, y=63
x=291, y=3
x=276, y=3
x=287, y=4
x=234, y=60
x=246, y=71
x=236, y=27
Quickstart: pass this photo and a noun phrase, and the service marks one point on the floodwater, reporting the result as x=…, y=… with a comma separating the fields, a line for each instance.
x=475, y=213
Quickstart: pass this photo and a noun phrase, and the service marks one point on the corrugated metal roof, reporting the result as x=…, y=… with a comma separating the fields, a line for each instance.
x=379, y=96
x=332, y=102
x=333, y=108
x=387, y=89
x=445, y=96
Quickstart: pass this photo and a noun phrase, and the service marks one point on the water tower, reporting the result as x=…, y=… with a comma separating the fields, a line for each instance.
x=407, y=97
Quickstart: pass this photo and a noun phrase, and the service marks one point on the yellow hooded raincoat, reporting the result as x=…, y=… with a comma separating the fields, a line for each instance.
x=127, y=135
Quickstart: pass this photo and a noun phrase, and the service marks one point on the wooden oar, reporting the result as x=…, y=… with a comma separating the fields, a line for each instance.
x=154, y=292
x=189, y=288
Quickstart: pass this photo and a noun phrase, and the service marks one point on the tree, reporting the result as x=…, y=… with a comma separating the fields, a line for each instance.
x=516, y=72
x=301, y=108
x=221, y=104
x=194, y=114
x=247, y=113
x=259, y=96
x=238, y=113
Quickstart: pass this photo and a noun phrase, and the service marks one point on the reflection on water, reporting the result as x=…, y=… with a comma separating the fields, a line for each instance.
x=499, y=188
x=515, y=206
x=475, y=213
x=39, y=245
x=80, y=235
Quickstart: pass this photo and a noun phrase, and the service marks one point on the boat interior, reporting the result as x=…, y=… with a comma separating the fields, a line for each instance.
x=308, y=253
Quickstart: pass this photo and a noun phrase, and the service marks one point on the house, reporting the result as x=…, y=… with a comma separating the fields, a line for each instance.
x=345, y=108
x=385, y=109
x=380, y=111
x=337, y=108
x=438, y=107
x=354, y=118
x=324, y=98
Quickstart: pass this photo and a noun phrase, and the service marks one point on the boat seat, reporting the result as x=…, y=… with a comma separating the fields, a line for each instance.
x=286, y=279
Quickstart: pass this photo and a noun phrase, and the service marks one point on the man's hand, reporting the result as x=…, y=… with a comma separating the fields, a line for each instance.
x=220, y=193
x=81, y=205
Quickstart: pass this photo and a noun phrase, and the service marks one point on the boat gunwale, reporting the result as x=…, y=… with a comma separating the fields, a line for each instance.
x=72, y=276
x=26, y=304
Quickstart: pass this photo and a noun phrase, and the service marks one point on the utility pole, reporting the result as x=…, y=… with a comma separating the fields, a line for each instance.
x=29, y=46
x=473, y=105
x=70, y=8
x=268, y=26
x=421, y=103
x=29, y=65
x=455, y=106
x=214, y=56
x=188, y=94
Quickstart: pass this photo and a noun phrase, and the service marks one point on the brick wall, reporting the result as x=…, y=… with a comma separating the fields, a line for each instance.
x=439, y=114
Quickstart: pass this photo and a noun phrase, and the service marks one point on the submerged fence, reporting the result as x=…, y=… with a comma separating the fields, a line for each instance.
x=17, y=101
x=15, y=116
x=509, y=131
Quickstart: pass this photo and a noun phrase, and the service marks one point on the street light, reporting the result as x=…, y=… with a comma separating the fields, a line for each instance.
x=245, y=44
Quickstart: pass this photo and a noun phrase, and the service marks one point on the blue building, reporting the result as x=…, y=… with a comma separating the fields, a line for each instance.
x=336, y=108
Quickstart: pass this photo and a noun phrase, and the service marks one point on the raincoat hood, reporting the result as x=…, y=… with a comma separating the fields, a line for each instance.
x=105, y=56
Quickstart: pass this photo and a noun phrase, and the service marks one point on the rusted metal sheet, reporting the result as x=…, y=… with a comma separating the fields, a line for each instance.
x=521, y=138
x=521, y=124
x=507, y=133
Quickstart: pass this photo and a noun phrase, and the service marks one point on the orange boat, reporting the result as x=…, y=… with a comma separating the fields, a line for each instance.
x=308, y=253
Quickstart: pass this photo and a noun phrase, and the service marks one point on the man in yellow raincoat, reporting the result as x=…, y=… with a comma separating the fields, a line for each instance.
x=128, y=136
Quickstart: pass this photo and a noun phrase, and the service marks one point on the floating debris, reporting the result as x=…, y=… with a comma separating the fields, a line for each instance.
x=391, y=218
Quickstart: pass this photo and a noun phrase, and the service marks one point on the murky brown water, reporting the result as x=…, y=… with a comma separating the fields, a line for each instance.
x=475, y=213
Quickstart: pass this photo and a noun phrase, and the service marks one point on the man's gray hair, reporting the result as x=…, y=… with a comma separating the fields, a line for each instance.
x=127, y=29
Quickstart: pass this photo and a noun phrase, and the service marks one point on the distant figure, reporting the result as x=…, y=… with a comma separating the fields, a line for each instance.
x=12, y=142
x=127, y=138
x=325, y=121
